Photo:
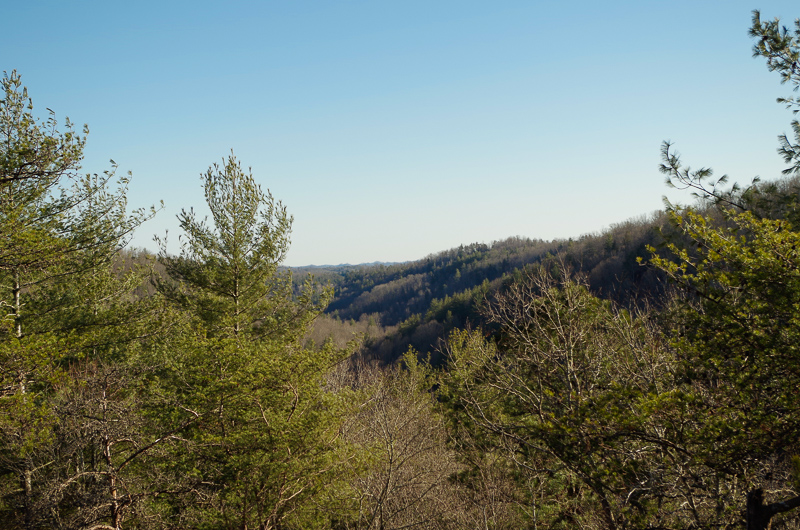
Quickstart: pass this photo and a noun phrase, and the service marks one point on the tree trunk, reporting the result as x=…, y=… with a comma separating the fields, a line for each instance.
x=759, y=515
x=28, y=487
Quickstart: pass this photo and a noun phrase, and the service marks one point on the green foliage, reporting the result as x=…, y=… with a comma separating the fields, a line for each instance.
x=563, y=399
x=781, y=48
x=568, y=409
x=448, y=289
x=65, y=298
x=265, y=443
x=735, y=331
x=227, y=273
x=740, y=331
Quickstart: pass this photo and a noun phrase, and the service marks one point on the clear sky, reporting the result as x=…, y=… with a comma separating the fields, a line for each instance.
x=393, y=130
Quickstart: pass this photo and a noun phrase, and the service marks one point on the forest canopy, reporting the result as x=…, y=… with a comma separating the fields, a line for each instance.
x=645, y=377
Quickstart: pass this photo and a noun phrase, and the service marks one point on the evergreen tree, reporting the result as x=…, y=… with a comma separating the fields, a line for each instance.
x=266, y=442
x=737, y=334
x=64, y=296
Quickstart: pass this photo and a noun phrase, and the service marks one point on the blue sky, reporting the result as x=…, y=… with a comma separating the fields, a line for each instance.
x=392, y=130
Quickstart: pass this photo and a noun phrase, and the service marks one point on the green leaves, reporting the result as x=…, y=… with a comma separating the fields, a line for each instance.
x=570, y=394
x=267, y=434
x=740, y=328
x=227, y=273
x=34, y=154
x=780, y=46
x=67, y=302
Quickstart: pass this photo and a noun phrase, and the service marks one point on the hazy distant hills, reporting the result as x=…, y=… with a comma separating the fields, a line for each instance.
x=415, y=304
x=345, y=265
x=398, y=305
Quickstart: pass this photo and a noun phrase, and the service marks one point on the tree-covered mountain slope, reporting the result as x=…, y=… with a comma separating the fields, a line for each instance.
x=417, y=303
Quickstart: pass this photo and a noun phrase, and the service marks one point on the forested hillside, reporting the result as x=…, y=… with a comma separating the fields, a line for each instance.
x=417, y=304
x=645, y=376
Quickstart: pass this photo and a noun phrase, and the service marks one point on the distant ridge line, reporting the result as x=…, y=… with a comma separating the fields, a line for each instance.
x=372, y=264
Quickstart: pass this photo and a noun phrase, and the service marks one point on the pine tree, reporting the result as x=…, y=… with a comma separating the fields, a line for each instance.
x=266, y=442
x=64, y=296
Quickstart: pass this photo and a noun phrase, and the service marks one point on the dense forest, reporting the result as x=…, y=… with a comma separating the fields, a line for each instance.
x=418, y=304
x=647, y=376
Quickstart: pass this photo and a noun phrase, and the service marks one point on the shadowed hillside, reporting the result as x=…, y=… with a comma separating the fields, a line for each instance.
x=417, y=303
